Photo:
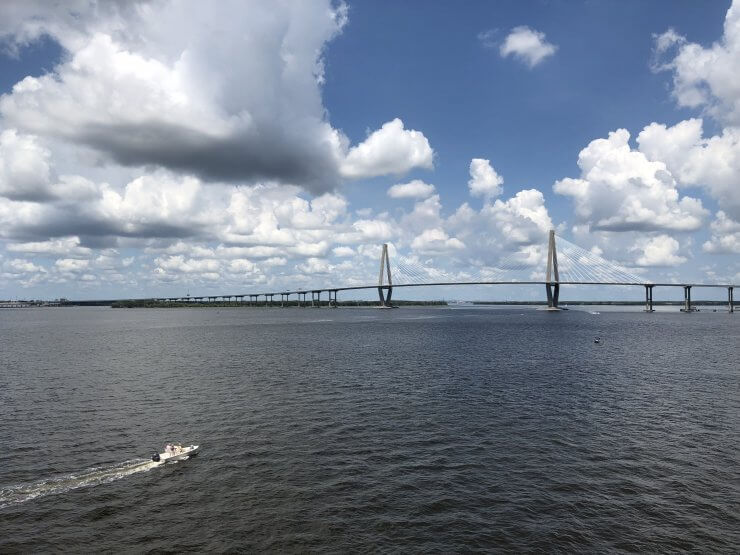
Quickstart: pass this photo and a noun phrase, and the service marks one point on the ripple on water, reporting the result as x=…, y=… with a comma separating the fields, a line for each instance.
x=413, y=430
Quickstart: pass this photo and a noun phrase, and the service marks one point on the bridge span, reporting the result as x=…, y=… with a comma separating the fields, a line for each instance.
x=611, y=274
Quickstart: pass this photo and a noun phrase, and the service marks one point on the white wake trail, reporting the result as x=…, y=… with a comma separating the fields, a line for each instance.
x=21, y=493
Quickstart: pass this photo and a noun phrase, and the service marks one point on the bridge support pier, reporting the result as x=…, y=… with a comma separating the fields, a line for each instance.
x=649, y=298
x=553, y=294
x=333, y=302
x=730, y=299
x=687, y=299
x=385, y=270
x=316, y=299
x=385, y=299
x=552, y=286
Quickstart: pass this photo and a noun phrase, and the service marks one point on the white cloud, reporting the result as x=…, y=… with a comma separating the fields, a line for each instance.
x=713, y=163
x=706, y=77
x=72, y=265
x=389, y=150
x=242, y=266
x=133, y=141
x=523, y=219
x=621, y=190
x=426, y=214
x=21, y=266
x=147, y=86
x=661, y=250
x=315, y=266
x=204, y=267
x=25, y=172
x=484, y=181
x=374, y=230
x=273, y=261
x=67, y=247
x=528, y=45
x=414, y=189
x=435, y=241
x=343, y=251
x=143, y=85
x=725, y=236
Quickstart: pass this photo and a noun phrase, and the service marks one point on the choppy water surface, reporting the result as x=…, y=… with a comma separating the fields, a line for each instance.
x=358, y=429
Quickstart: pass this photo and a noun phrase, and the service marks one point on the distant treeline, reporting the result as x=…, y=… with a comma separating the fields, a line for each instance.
x=153, y=303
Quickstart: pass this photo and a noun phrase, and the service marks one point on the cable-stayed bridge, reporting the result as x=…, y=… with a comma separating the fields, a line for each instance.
x=567, y=264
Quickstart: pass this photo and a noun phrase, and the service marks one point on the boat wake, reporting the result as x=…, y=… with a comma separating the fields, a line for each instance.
x=91, y=477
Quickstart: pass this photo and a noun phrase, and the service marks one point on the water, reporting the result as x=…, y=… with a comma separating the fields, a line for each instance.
x=413, y=430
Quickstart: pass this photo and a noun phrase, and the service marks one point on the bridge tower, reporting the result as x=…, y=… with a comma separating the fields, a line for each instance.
x=553, y=278
x=385, y=269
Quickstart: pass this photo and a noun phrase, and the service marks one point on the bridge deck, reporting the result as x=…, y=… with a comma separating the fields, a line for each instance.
x=430, y=284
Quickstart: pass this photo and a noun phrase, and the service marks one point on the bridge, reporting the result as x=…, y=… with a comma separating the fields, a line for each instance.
x=577, y=266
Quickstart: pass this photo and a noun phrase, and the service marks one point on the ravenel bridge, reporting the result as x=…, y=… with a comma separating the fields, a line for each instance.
x=567, y=264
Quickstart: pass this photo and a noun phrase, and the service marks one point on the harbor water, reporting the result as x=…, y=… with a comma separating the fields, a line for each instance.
x=355, y=429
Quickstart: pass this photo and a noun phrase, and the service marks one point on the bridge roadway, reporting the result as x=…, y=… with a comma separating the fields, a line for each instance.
x=316, y=292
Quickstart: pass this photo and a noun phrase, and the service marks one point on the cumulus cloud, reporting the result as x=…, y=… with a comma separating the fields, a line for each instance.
x=523, y=219
x=426, y=214
x=21, y=266
x=343, y=251
x=620, y=189
x=435, y=241
x=413, y=189
x=515, y=228
x=377, y=230
x=528, y=45
x=389, y=150
x=143, y=85
x=194, y=270
x=725, y=236
x=484, y=181
x=661, y=250
x=25, y=172
x=135, y=139
x=67, y=246
x=72, y=265
x=315, y=266
x=705, y=77
x=712, y=163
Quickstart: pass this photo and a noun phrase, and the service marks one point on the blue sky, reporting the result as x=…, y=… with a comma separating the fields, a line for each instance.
x=432, y=71
x=159, y=148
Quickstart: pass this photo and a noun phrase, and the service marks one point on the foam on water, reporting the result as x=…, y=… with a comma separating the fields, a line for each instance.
x=60, y=484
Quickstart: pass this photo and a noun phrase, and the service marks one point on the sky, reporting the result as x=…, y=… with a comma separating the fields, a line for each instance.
x=159, y=148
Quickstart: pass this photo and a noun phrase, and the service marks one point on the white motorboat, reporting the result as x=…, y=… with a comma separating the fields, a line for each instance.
x=175, y=452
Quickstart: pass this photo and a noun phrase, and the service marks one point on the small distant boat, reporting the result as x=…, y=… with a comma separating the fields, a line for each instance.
x=595, y=312
x=597, y=339
x=175, y=452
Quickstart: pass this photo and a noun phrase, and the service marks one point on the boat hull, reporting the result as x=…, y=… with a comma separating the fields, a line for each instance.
x=187, y=452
